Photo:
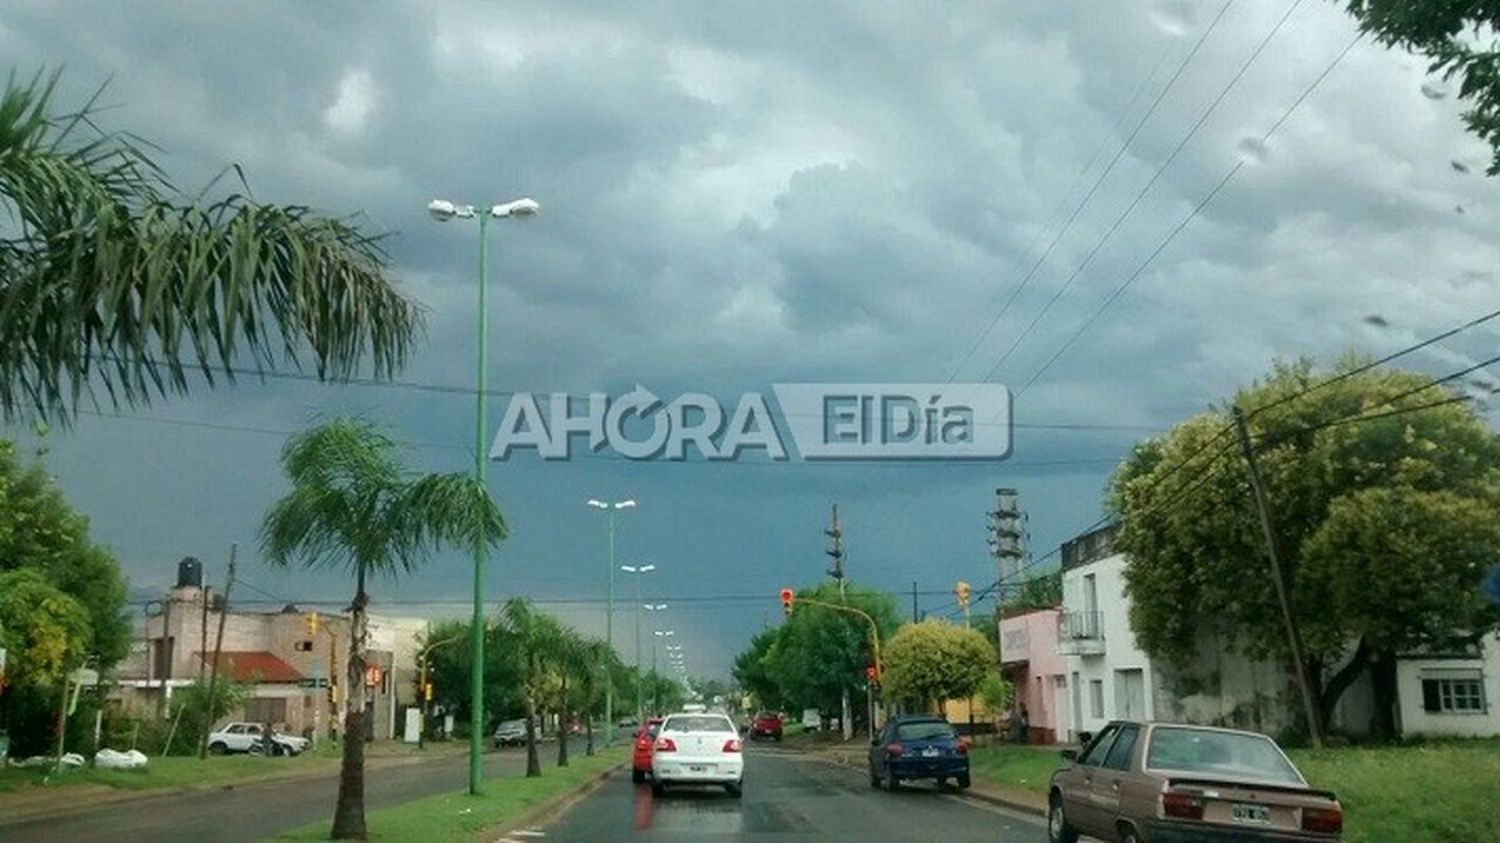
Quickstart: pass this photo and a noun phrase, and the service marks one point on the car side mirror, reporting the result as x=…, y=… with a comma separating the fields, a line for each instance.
x=1070, y=755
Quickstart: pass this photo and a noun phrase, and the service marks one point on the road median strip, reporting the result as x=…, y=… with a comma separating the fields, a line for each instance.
x=508, y=803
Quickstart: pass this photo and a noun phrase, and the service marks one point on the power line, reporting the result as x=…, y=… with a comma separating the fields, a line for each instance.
x=1146, y=188
x=1099, y=181
x=1193, y=214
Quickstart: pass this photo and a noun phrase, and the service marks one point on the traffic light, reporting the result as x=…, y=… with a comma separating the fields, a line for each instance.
x=786, y=602
x=870, y=673
x=312, y=624
x=962, y=592
x=427, y=692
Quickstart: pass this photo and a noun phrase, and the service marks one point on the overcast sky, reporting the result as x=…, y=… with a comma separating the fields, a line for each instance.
x=736, y=195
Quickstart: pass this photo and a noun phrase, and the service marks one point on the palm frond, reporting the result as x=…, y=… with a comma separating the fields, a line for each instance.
x=110, y=278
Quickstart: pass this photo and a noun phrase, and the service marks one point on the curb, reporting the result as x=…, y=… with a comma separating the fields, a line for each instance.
x=553, y=808
x=970, y=794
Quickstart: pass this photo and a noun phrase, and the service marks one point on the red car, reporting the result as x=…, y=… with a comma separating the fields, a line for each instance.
x=767, y=724
x=641, y=761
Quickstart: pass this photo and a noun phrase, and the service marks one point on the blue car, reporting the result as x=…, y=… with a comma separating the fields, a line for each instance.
x=918, y=746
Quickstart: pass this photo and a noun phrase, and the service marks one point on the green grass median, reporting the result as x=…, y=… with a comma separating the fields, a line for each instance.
x=458, y=816
x=164, y=772
x=1443, y=791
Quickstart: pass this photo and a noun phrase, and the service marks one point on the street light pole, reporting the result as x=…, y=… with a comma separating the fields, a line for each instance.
x=639, y=571
x=609, y=615
x=443, y=210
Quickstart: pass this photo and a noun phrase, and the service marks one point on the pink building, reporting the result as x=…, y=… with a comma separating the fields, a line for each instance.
x=1029, y=661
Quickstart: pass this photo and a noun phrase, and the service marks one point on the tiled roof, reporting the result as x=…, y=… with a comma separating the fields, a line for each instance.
x=253, y=666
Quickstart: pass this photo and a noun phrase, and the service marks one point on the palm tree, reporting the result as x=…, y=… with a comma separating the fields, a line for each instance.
x=575, y=660
x=354, y=506
x=593, y=668
x=537, y=640
x=110, y=278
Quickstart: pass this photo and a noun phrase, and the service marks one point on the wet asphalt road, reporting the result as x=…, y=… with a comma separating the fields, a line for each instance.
x=254, y=811
x=787, y=798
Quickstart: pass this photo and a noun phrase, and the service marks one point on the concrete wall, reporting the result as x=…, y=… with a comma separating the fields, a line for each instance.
x=1122, y=663
x=1028, y=654
x=1220, y=687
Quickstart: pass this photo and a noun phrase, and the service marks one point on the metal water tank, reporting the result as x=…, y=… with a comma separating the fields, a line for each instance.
x=190, y=572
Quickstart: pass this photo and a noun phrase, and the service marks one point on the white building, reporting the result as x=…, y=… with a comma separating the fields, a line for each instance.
x=1446, y=694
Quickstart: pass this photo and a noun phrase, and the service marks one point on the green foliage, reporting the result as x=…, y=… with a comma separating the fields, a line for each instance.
x=109, y=277
x=1198, y=560
x=933, y=661
x=1458, y=41
x=189, y=703
x=995, y=692
x=819, y=653
x=39, y=532
x=1043, y=591
x=449, y=671
x=45, y=632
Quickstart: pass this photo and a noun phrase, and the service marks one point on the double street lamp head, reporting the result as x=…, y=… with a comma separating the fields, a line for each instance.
x=625, y=504
x=637, y=569
x=442, y=210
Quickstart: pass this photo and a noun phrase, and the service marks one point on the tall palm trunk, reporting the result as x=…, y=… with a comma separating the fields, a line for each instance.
x=588, y=724
x=533, y=762
x=564, y=726
x=349, y=815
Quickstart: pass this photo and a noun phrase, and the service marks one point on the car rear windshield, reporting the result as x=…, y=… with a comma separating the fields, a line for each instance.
x=925, y=730
x=765, y=715
x=698, y=723
x=1226, y=754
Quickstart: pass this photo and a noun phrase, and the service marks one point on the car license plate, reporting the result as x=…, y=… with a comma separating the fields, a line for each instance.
x=697, y=768
x=930, y=752
x=1242, y=813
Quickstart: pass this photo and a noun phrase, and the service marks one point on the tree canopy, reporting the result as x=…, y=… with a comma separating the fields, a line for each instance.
x=1458, y=40
x=1385, y=517
x=934, y=661
x=109, y=277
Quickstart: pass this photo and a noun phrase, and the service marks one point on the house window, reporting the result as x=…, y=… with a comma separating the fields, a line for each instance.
x=1096, y=697
x=303, y=646
x=1456, y=694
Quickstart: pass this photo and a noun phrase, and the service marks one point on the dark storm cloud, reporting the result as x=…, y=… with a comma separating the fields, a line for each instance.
x=747, y=193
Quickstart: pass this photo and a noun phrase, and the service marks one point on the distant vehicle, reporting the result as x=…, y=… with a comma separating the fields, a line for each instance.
x=766, y=724
x=640, y=762
x=697, y=749
x=694, y=708
x=510, y=733
x=250, y=737
x=1156, y=781
x=812, y=720
x=626, y=722
x=918, y=746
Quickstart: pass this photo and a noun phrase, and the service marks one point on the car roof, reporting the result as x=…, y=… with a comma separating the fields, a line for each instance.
x=919, y=718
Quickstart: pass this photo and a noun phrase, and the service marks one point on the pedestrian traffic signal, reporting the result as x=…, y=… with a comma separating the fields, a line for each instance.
x=870, y=673
x=427, y=692
x=312, y=624
x=786, y=602
x=962, y=592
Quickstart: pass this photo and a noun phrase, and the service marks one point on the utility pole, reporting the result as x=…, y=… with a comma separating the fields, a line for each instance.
x=213, y=672
x=1007, y=543
x=202, y=624
x=1294, y=640
x=835, y=552
x=913, y=601
x=836, y=549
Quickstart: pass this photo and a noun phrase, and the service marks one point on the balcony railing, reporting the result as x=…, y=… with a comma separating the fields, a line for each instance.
x=1080, y=626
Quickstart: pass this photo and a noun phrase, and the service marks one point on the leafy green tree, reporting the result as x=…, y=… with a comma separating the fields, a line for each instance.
x=1043, y=591
x=109, y=277
x=820, y=653
x=1198, y=561
x=935, y=661
x=1458, y=40
x=537, y=638
x=190, y=703
x=45, y=631
x=449, y=666
x=353, y=505
x=594, y=663
x=753, y=673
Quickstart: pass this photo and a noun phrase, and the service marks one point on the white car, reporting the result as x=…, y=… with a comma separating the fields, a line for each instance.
x=697, y=749
x=248, y=737
x=510, y=733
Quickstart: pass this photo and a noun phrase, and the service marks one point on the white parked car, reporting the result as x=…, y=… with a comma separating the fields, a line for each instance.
x=510, y=733
x=697, y=749
x=249, y=737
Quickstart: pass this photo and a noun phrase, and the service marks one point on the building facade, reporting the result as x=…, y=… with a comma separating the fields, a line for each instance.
x=1031, y=663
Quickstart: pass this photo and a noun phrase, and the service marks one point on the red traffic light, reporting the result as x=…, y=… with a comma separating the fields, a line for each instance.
x=786, y=601
x=870, y=672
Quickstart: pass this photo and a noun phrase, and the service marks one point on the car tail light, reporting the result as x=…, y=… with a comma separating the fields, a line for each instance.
x=665, y=745
x=732, y=745
x=1182, y=805
x=894, y=749
x=963, y=747
x=1327, y=820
